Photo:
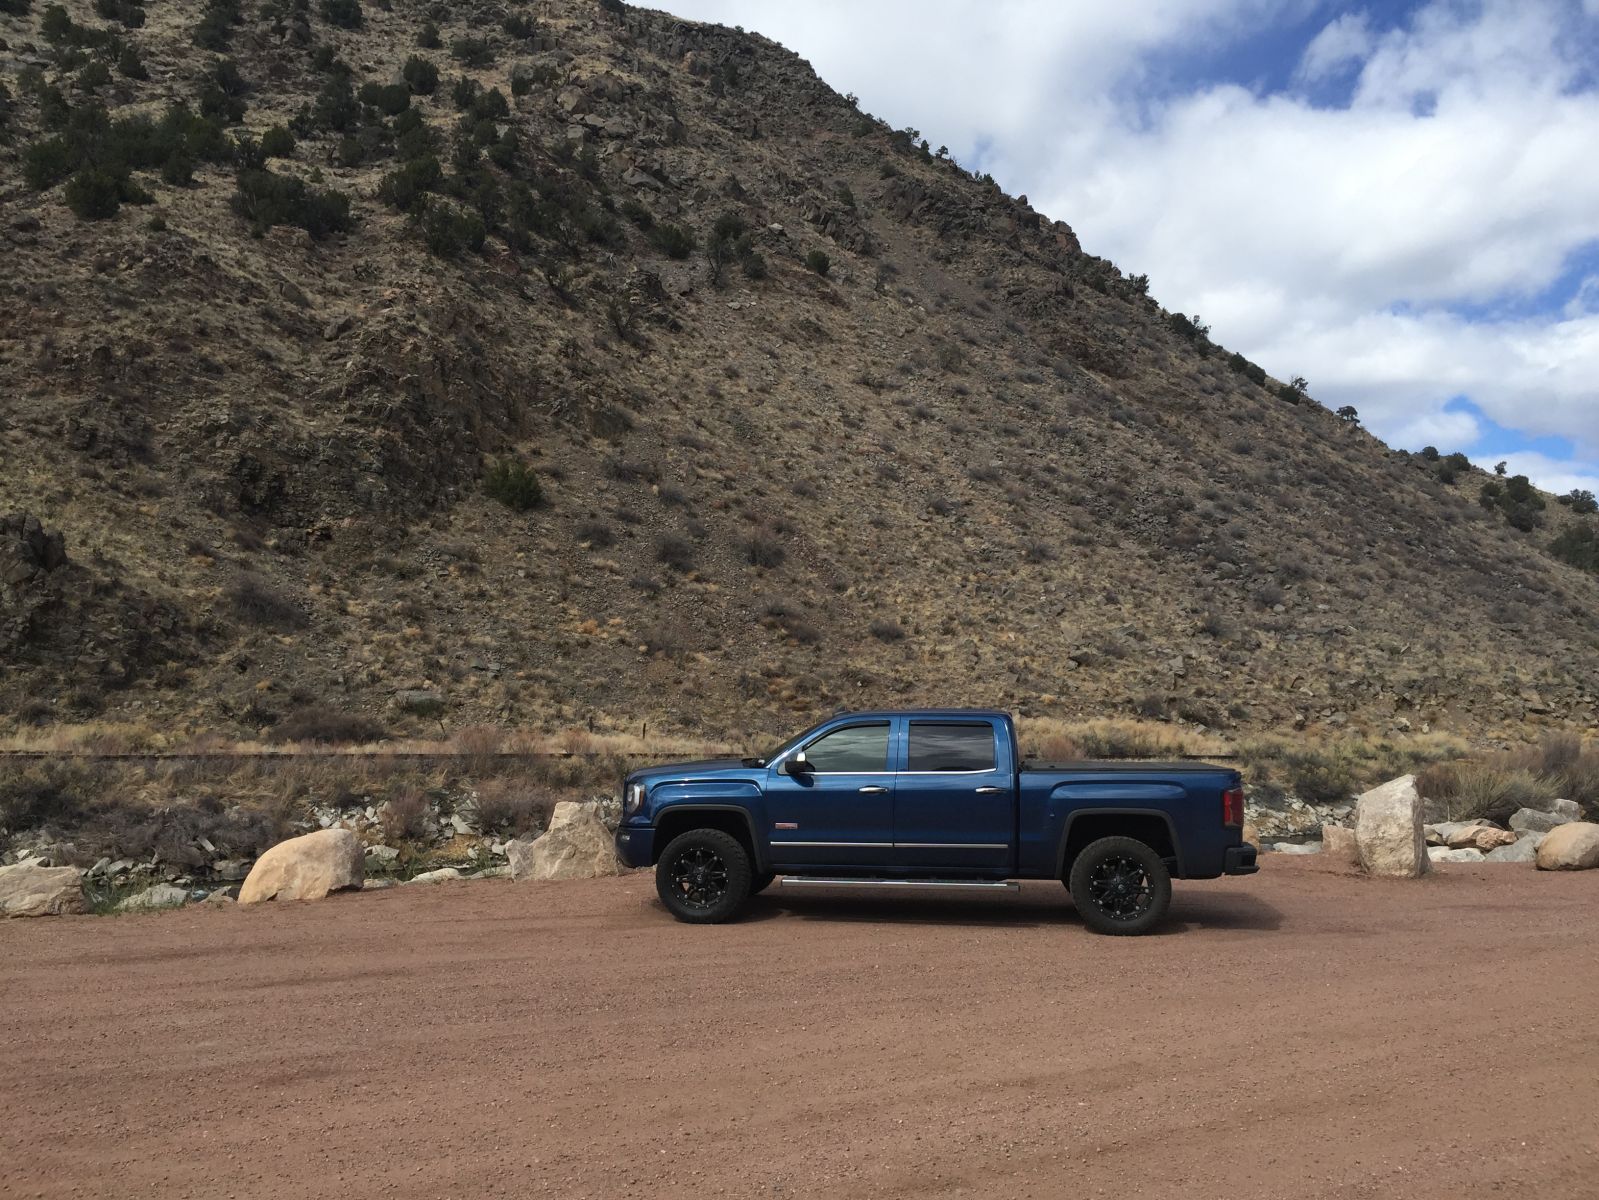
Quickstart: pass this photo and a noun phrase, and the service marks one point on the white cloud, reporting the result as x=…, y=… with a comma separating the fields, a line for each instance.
x=1343, y=43
x=1342, y=244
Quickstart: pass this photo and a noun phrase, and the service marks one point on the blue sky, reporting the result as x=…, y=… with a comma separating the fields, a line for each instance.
x=1394, y=200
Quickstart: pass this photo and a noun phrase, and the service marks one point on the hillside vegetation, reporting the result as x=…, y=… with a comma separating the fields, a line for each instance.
x=424, y=365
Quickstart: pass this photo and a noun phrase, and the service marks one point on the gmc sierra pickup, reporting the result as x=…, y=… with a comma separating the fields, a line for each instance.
x=933, y=798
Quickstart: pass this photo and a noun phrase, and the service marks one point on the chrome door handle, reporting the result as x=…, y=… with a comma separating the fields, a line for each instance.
x=990, y=791
x=874, y=790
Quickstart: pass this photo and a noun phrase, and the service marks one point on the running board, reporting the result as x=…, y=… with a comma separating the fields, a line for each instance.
x=987, y=885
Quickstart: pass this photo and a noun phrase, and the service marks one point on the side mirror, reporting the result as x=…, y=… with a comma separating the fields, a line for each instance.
x=797, y=764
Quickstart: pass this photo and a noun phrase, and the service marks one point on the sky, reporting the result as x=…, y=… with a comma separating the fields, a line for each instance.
x=1398, y=201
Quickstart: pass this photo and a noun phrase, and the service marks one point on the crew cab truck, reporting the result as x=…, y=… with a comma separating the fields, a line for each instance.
x=934, y=798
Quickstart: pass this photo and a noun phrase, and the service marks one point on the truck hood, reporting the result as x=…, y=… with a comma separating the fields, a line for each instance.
x=711, y=768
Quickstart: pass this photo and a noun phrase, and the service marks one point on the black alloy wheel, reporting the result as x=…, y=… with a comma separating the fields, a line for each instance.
x=703, y=876
x=1120, y=886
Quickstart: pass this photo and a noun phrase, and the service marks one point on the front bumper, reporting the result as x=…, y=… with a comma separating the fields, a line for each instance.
x=635, y=844
x=1240, y=860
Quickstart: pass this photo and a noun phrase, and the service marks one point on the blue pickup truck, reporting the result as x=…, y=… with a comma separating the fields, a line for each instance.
x=934, y=798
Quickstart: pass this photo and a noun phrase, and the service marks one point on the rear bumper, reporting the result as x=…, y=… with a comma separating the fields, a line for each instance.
x=1240, y=860
x=635, y=844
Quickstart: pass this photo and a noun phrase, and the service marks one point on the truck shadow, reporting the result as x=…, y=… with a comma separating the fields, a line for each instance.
x=1043, y=905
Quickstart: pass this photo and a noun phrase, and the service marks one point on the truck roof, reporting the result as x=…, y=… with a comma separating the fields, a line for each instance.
x=977, y=713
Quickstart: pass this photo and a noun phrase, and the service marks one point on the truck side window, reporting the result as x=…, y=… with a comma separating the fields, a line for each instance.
x=850, y=750
x=941, y=747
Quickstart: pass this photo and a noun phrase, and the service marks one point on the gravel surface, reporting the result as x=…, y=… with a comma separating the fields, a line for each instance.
x=1302, y=1033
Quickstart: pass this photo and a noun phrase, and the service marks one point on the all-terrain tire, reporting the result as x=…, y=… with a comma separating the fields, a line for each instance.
x=1120, y=886
x=703, y=876
x=761, y=882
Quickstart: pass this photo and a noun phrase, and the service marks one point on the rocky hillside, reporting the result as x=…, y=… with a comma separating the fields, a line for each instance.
x=550, y=362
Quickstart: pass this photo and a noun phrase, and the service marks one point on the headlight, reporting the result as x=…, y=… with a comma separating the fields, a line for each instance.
x=632, y=799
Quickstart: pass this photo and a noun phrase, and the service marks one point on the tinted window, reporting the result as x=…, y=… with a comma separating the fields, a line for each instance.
x=853, y=748
x=951, y=747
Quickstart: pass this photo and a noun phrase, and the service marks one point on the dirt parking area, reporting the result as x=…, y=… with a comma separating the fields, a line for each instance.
x=1302, y=1033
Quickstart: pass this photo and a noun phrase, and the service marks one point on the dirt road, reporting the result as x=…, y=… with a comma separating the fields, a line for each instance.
x=1299, y=1034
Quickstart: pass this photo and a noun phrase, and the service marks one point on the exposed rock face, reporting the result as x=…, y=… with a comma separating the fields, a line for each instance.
x=1572, y=847
x=1388, y=830
x=577, y=845
x=30, y=891
x=1340, y=845
x=162, y=895
x=1536, y=820
x=27, y=550
x=306, y=868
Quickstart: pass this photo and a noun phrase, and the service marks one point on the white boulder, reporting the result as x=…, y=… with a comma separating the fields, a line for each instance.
x=577, y=845
x=1573, y=847
x=1388, y=830
x=27, y=890
x=306, y=868
x=438, y=876
x=1445, y=854
x=162, y=895
x=1524, y=849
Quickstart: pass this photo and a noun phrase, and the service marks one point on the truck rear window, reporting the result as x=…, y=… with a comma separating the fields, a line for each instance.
x=941, y=747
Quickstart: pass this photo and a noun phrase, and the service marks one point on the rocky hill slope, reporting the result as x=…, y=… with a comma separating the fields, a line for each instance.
x=564, y=361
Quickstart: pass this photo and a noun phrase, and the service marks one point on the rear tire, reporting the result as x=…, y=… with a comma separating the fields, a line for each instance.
x=1120, y=886
x=703, y=876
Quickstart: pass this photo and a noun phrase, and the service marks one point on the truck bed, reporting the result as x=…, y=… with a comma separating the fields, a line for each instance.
x=1125, y=765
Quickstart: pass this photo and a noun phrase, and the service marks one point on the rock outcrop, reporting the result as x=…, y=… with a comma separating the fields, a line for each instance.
x=1572, y=847
x=27, y=890
x=306, y=868
x=1388, y=830
x=577, y=845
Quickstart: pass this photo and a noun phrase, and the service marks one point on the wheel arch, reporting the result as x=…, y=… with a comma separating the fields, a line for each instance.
x=1151, y=826
x=678, y=819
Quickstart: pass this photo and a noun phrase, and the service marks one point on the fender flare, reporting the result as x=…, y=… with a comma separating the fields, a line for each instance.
x=1164, y=817
x=694, y=806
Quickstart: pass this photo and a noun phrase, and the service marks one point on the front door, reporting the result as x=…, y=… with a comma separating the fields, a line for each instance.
x=840, y=812
x=954, y=799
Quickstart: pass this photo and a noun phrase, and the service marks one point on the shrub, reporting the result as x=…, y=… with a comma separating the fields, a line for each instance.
x=514, y=484
x=763, y=549
x=472, y=51
x=519, y=26
x=1036, y=551
x=1579, y=546
x=1579, y=500
x=672, y=240
x=255, y=601
x=390, y=99
x=509, y=808
x=675, y=552
x=94, y=194
x=596, y=533
x=1516, y=499
x=346, y=14
x=265, y=199
x=315, y=723
x=335, y=108
x=130, y=65
x=420, y=75
x=16, y=8
x=885, y=630
x=449, y=231
x=95, y=74
x=428, y=36
x=818, y=261
x=403, y=816
x=277, y=142
x=405, y=188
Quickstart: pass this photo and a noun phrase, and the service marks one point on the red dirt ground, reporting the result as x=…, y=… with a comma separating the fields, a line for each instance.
x=1302, y=1033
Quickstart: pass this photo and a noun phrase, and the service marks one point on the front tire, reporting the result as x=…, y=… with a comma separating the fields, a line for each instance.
x=703, y=876
x=1120, y=886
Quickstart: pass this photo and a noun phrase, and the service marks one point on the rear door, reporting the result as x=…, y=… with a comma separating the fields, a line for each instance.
x=954, y=798
x=841, y=812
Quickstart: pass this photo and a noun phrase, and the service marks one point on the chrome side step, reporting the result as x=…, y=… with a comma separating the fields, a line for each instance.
x=987, y=885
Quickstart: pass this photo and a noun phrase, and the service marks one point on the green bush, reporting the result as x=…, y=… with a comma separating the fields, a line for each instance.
x=472, y=51
x=1579, y=546
x=818, y=261
x=449, y=231
x=428, y=36
x=346, y=14
x=16, y=8
x=1580, y=500
x=130, y=65
x=404, y=188
x=672, y=240
x=94, y=194
x=1516, y=500
x=514, y=484
x=390, y=99
x=129, y=12
x=335, y=108
x=215, y=29
x=265, y=199
x=420, y=75
x=277, y=142
x=95, y=74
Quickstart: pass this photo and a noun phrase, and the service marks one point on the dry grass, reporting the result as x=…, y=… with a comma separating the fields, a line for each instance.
x=1561, y=766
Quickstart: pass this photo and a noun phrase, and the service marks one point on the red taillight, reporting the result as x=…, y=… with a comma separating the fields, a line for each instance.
x=1232, y=806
